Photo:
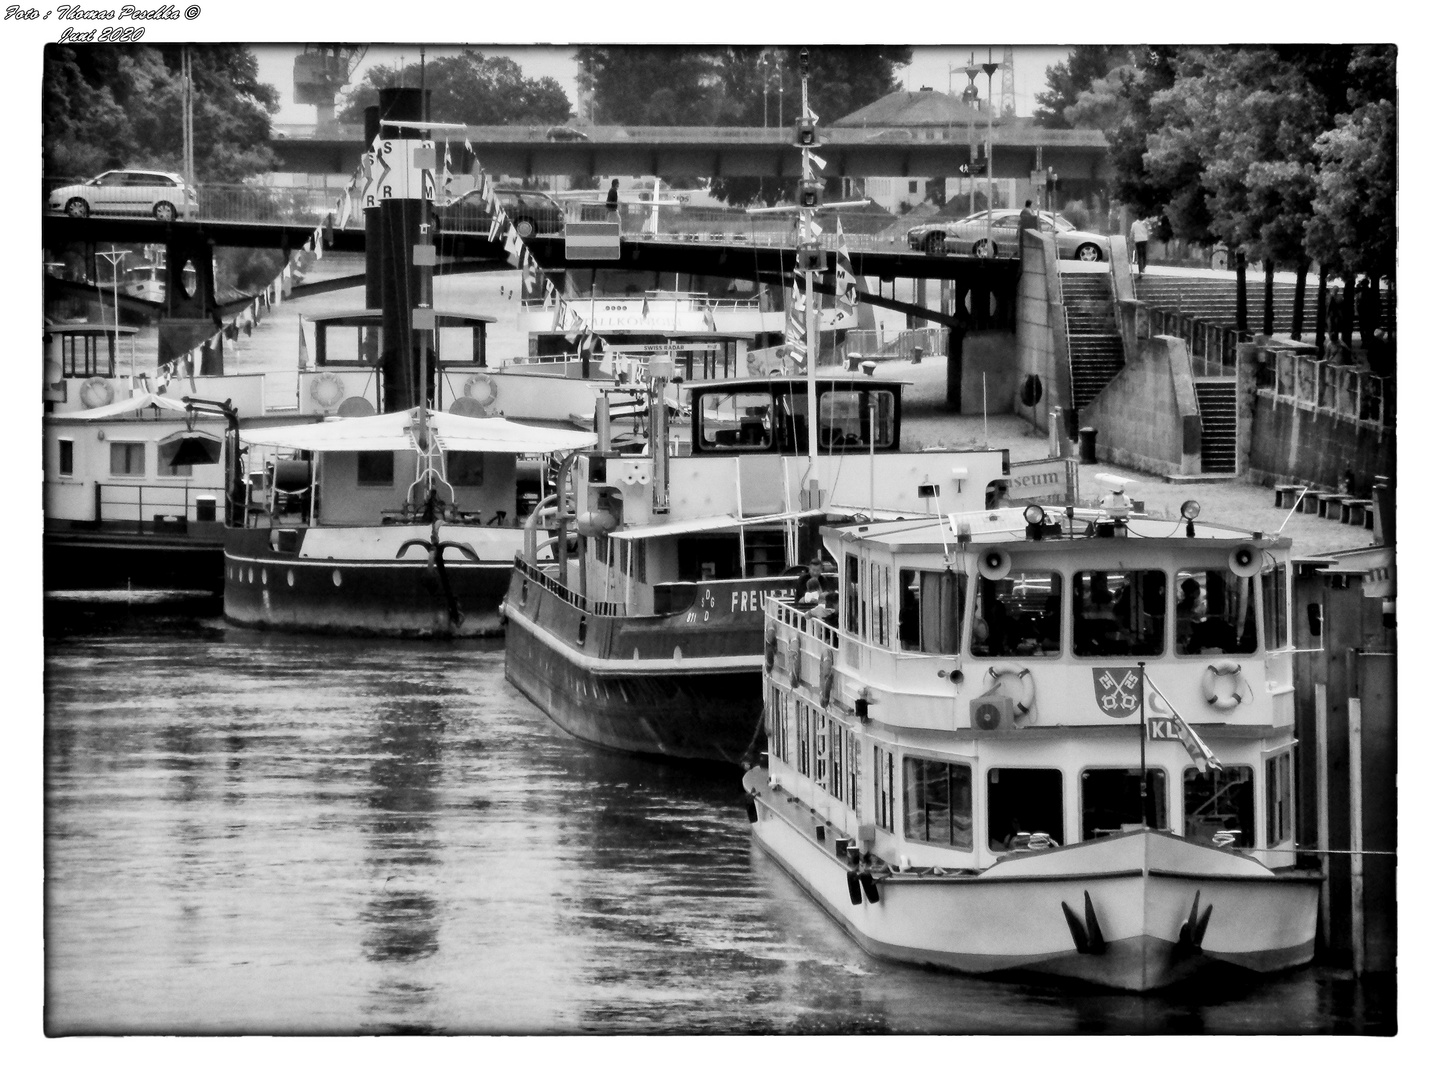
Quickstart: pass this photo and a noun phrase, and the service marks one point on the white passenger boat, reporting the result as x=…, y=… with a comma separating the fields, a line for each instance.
x=1047, y=741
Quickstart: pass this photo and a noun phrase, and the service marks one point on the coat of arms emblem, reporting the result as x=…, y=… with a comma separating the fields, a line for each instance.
x=1117, y=690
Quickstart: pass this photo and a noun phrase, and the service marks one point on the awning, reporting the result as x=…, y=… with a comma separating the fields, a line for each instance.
x=128, y=405
x=396, y=431
x=710, y=524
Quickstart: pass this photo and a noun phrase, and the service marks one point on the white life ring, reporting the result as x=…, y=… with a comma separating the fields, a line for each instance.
x=827, y=676
x=792, y=656
x=95, y=392
x=1026, y=699
x=1214, y=672
x=327, y=390
x=482, y=388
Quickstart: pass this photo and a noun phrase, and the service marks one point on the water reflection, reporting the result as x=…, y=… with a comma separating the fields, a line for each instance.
x=252, y=833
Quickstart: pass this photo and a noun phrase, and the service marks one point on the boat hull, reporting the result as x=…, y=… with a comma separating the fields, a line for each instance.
x=90, y=557
x=278, y=590
x=1132, y=901
x=706, y=709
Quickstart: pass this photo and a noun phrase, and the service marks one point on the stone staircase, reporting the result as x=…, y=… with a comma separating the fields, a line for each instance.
x=1212, y=300
x=1217, y=418
x=1096, y=351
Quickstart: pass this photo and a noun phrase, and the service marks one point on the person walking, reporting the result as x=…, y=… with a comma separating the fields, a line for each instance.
x=612, y=198
x=1028, y=220
x=1140, y=239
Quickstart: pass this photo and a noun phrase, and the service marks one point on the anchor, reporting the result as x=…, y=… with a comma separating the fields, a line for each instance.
x=1192, y=930
x=436, y=548
x=1087, y=935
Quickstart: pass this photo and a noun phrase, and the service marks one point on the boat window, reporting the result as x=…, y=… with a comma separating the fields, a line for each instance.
x=764, y=552
x=1214, y=612
x=1018, y=615
x=852, y=770
x=707, y=557
x=1110, y=800
x=465, y=468
x=1215, y=801
x=850, y=418
x=1277, y=608
x=743, y=421
x=880, y=604
x=81, y=355
x=884, y=789
x=938, y=807
x=777, y=725
x=1278, y=799
x=1119, y=613
x=822, y=750
x=66, y=465
x=375, y=467
x=127, y=459
x=837, y=758
x=1022, y=802
x=931, y=609
x=852, y=594
x=166, y=466
x=802, y=738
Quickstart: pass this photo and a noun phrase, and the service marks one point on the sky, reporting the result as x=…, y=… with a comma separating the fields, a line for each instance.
x=930, y=67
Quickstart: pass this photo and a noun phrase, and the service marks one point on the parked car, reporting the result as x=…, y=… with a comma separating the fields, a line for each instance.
x=967, y=236
x=127, y=191
x=530, y=211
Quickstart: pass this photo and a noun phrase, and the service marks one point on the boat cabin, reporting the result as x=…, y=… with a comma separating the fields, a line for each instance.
x=983, y=683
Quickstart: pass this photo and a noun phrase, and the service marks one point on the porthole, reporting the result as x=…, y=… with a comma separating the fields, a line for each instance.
x=290, y=578
x=264, y=576
x=335, y=577
x=252, y=575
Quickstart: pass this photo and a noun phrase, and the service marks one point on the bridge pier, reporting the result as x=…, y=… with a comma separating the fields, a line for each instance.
x=190, y=317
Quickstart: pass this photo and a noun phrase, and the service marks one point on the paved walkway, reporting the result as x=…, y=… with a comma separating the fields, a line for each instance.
x=1231, y=502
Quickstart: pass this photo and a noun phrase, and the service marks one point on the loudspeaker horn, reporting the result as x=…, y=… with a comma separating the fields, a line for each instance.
x=1244, y=561
x=994, y=563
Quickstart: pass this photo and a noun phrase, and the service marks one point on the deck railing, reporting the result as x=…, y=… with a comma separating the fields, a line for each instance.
x=533, y=573
x=150, y=506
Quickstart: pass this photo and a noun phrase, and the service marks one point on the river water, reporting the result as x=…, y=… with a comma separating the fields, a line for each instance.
x=264, y=833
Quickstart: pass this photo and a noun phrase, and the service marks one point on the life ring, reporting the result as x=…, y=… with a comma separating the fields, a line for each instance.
x=1214, y=672
x=792, y=656
x=95, y=392
x=827, y=677
x=1026, y=700
x=770, y=636
x=481, y=388
x=326, y=390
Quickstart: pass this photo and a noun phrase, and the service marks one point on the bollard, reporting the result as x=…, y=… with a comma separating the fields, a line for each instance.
x=915, y=355
x=853, y=361
x=1087, y=446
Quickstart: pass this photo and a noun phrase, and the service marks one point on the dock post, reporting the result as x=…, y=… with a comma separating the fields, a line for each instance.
x=1357, y=845
x=1322, y=804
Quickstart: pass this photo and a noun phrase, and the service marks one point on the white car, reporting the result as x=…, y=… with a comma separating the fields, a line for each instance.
x=132, y=192
x=967, y=236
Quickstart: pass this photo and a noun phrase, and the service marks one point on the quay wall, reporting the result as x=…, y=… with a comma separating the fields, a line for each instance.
x=1040, y=344
x=1292, y=444
x=1147, y=417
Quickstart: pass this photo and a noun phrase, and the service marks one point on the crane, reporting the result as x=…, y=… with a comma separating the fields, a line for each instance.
x=320, y=71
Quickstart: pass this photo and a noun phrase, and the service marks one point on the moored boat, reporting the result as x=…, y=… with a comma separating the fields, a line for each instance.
x=649, y=639
x=996, y=756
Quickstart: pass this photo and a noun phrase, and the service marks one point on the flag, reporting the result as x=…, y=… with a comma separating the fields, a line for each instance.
x=645, y=308
x=1189, y=738
x=345, y=208
x=845, y=291
x=497, y=222
x=304, y=352
x=561, y=312
x=709, y=316
x=814, y=158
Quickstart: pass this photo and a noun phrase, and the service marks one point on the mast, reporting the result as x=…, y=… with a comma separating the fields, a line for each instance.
x=806, y=218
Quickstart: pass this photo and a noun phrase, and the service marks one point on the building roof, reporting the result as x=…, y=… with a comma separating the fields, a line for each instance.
x=910, y=108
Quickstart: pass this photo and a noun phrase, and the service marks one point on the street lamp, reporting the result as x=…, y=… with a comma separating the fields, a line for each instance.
x=990, y=68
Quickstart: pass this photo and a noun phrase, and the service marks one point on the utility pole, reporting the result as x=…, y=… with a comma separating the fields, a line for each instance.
x=990, y=67
x=115, y=257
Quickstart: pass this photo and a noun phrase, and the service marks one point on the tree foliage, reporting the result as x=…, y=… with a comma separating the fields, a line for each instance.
x=1073, y=77
x=467, y=89
x=117, y=106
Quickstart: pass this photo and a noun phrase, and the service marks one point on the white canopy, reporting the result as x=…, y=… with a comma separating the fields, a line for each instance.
x=397, y=431
x=126, y=405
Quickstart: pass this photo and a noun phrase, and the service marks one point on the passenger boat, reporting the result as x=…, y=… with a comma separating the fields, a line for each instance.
x=401, y=523
x=996, y=756
x=648, y=639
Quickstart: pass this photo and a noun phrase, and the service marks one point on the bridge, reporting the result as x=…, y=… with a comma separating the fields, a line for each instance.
x=614, y=150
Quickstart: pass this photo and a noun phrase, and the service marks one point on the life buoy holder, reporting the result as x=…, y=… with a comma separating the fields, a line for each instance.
x=1215, y=672
x=827, y=676
x=770, y=637
x=481, y=388
x=1026, y=698
x=95, y=392
x=792, y=657
x=327, y=390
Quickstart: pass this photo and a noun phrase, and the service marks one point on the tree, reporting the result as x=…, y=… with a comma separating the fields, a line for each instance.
x=467, y=89
x=655, y=85
x=1073, y=77
x=1354, y=223
x=107, y=106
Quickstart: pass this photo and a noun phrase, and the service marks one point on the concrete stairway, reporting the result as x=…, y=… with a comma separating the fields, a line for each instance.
x=1096, y=351
x=1217, y=417
x=1212, y=300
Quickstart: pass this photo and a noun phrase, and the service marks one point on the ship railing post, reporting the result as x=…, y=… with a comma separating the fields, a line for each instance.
x=1357, y=845
x=1322, y=804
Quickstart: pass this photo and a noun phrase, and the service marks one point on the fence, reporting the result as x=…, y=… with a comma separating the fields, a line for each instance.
x=931, y=341
x=1345, y=391
x=145, y=503
x=1212, y=348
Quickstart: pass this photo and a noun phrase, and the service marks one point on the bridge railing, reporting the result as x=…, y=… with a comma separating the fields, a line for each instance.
x=252, y=203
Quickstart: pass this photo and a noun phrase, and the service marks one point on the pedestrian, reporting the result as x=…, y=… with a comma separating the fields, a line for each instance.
x=1028, y=220
x=612, y=200
x=1140, y=238
x=1367, y=311
x=1334, y=321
